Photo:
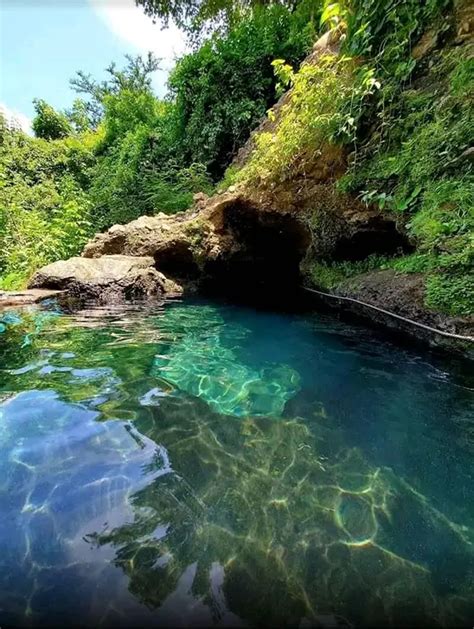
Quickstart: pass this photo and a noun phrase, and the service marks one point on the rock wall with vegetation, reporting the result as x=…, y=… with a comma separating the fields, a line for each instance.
x=396, y=99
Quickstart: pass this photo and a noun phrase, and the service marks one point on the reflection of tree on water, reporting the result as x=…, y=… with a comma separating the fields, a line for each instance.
x=292, y=536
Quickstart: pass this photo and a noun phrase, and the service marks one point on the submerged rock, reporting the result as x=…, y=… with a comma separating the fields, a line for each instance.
x=107, y=279
x=25, y=297
x=201, y=361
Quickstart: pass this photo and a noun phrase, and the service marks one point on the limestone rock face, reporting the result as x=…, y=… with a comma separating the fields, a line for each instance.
x=168, y=240
x=253, y=240
x=142, y=237
x=108, y=279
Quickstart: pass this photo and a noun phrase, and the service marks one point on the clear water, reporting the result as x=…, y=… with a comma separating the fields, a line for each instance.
x=211, y=464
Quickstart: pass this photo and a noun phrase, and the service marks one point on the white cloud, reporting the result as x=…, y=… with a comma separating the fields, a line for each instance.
x=129, y=23
x=16, y=118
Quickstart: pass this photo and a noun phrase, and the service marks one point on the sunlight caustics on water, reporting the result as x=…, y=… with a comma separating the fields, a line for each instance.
x=204, y=464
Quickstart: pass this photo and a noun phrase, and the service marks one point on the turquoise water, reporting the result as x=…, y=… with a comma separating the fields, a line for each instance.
x=202, y=464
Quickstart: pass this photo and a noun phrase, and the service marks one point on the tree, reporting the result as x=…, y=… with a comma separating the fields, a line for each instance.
x=125, y=111
x=48, y=123
x=193, y=16
x=136, y=76
x=222, y=90
x=78, y=116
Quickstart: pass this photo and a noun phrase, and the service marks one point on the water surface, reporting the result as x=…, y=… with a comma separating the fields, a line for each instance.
x=201, y=463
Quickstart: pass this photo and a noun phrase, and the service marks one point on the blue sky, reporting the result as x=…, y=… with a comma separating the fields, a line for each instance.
x=44, y=42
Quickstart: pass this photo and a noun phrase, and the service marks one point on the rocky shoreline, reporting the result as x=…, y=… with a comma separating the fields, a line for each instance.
x=234, y=244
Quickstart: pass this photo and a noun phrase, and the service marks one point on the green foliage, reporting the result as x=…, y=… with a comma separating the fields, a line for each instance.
x=126, y=111
x=313, y=116
x=386, y=31
x=171, y=189
x=33, y=239
x=127, y=185
x=222, y=90
x=445, y=220
x=332, y=101
x=230, y=178
x=136, y=173
x=136, y=76
x=202, y=16
x=327, y=274
x=285, y=75
x=461, y=77
x=44, y=212
x=333, y=14
x=78, y=116
x=417, y=170
x=48, y=123
x=453, y=294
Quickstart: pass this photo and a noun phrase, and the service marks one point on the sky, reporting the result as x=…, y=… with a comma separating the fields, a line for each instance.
x=44, y=42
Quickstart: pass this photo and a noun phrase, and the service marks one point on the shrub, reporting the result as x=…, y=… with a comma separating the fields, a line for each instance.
x=222, y=90
x=312, y=118
x=44, y=211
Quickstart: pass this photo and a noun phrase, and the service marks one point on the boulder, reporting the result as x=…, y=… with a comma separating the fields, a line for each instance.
x=145, y=236
x=177, y=243
x=108, y=279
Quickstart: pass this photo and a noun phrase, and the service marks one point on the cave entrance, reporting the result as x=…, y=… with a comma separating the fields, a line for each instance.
x=177, y=261
x=382, y=238
x=265, y=262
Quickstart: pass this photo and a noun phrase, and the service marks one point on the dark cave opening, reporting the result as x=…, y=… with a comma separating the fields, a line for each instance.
x=381, y=238
x=177, y=261
x=262, y=251
x=265, y=262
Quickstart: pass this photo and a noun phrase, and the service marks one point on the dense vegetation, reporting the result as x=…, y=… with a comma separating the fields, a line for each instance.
x=203, y=16
x=407, y=130
x=45, y=211
x=120, y=152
